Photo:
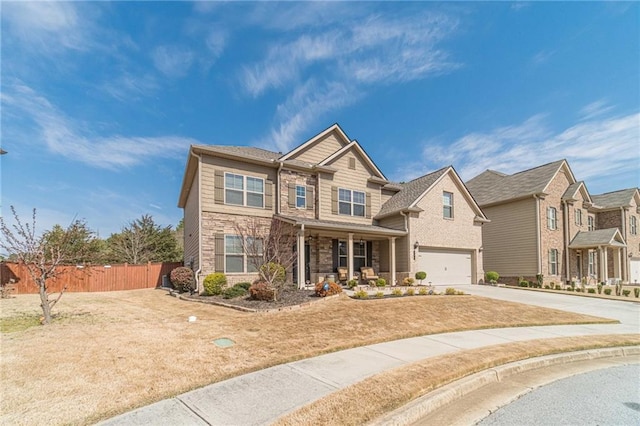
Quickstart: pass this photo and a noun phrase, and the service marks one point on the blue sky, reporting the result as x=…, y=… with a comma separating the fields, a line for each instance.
x=100, y=101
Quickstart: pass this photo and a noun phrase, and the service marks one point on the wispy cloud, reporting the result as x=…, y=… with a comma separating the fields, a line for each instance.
x=62, y=136
x=353, y=57
x=128, y=87
x=172, y=60
x=595, y=109
x=597, y=147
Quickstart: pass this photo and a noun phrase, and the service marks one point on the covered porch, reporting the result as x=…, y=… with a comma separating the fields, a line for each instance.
x=324, y=246
x=597, y=256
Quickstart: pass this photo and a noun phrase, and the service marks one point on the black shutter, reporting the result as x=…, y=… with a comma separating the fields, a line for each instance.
x=370, y=253
x=334, y=244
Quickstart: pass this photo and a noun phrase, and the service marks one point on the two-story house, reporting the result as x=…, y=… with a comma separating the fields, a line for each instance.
x=345, y=212
x=545, y=222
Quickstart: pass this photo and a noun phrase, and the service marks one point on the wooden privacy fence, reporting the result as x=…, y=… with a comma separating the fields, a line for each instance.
x=90, y=278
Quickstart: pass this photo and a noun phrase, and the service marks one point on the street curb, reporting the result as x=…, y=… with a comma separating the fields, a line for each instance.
x=426, y=404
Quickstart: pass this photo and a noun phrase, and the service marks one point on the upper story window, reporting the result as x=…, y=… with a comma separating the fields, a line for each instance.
x=301, y=197
x=447, y=205
x=633, y=225
x=351, y=203
x=578, y=214
x=591, y=223
x=242, y=190
x=552, y=218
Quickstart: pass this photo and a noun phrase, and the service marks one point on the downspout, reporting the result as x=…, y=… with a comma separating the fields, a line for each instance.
x=565, y=241
x=197, y=273
x=278, y=194
x=408, y=243
x=625, y=259
x=538, y=238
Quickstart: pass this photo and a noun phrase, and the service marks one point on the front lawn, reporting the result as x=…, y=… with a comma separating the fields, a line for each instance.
x=112, y=352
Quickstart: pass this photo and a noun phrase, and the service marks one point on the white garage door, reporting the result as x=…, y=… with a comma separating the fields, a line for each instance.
x=445, y=267
x=634, y=271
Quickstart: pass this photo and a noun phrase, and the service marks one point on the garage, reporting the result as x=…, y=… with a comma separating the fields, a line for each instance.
x=445, y=267
x=634, y=271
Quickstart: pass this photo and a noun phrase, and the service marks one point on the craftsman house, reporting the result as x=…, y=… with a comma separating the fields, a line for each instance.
x=544, y=221
x=345, y=212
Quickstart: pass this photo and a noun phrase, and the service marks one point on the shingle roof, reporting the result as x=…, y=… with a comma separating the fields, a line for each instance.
x=350, y=226
x=492, y=187
x=571, y=191
x=600, y=237
x=241, y=151
x=410, y=193
x=614, y=199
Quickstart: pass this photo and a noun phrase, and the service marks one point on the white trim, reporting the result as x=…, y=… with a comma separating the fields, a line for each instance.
x=245, y=191
x=314, y=139
x=361, y=151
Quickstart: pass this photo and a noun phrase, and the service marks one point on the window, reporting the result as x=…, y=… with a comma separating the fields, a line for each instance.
x=235, y=257
x=351, y=203
x=592, y=263
x=578, y=214
x=553, y=262
x=301, y=197
x=447, y=205
x=633, y=225
x=359, y=254
x=552, y=221
x=342, y=253
x=591, y=223
x=242, y=190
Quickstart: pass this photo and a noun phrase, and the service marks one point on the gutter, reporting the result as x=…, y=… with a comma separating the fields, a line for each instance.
x=277, y=191
x=566, y=233
x=538, y=237
x=197, y=273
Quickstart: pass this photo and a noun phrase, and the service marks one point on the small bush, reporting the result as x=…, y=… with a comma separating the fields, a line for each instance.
x=182, y=278
x=557, y=287
x=380, y=295
x=591, y=290
x=607, y=291
x=578, y=290
x=636, y=292
x=233, y=292
x=410, y=291
x=396, y=292
x=361, y=294
x=524, y=283
x=261, y=291
x=381, y=282
x=626, y=293
x=275, y=271
x=327, y=288
x=539, y=280
x=569, y=289
x=423, y=291
x=352, y=283
x=246, y=286
x=421, y=275
x=450, y=291
x=547, y=287
x=408, y=281
x=491, y=276
x=599, y=286
x=214, y=284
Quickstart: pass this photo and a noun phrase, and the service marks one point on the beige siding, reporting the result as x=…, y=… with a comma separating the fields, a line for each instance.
x=192, y=225
x=393, y=222
x=509, y=240
x=385, y=195
x=321, y=149
x=402, y=255
x=211, y=164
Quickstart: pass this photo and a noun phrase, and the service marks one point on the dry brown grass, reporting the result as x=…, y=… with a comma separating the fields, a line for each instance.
x=112, y=352
x=380, y=394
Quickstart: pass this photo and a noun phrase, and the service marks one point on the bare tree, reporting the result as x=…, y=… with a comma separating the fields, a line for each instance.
x=269, y=247
x=40, y=255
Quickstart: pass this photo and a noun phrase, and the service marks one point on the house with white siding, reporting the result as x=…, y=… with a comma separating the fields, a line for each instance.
x=344, y=211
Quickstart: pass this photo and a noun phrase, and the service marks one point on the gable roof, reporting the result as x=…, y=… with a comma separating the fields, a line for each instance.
x=244, y=152
x=572, y=191
x=492, y=187
x=601, y=237
x=354, y=145
x=334, y=128
x=412, y=192
x=621, y=198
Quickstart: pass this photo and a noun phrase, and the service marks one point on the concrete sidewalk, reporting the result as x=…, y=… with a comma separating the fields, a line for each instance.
x=263, y=396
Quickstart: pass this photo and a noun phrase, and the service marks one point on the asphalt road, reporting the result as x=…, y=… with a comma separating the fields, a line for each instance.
x=609, y=396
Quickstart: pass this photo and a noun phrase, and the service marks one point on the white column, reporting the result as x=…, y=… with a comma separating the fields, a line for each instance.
x=605, y=264
x=617, y=264
x=350, y=256
x=301, y=259
x=392, y=260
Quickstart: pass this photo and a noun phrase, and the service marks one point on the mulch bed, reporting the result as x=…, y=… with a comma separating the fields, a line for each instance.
x=287, y=298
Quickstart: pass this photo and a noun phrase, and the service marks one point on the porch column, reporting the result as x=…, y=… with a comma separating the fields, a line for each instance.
x=350, y=256
x=392, y=260
x=301, y=259
x=617, y=264
x=605, y=264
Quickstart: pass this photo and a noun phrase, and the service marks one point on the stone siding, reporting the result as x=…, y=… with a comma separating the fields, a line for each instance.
x=298, y=178
x=554, y=238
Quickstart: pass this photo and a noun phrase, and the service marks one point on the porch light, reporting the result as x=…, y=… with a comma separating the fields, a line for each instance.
x=416, y=245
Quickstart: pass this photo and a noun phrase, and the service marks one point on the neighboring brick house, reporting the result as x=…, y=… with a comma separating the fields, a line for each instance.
x=345, y=212
x=544, y=221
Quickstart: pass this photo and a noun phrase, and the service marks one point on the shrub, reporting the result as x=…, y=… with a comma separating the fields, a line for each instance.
x=275, y=271
x=591, y=290
x=260, y=290
x=244, y=285
x=599, y=286
x=380, y=295
x=636, y=292
x=491, y=276
x=539, y=280
x=381, y=282
x=626, y=293
x=234, y=291
x=450, y=291
x=327, y=288
x=547, y=287
x=422, y=291
x=214, y=284
x=182, y=278
x=607, y=291
x=577, y=290
x=361, y=294
x=421, y=275
x=408, y=281
x=524, y=283
x=569, y=289
x=410, y=291
x=573, y=284
x=396, y=292
x=557, y=287
x=352, y=283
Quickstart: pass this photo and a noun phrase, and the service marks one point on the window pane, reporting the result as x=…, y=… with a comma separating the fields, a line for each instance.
x=234, y=263
x=358, y=197
x=233, y=197
x=345, y=208
x=254, y=245
x=301, y=191
x=447, y=198
x=254, y=200
x=342, y=248
x=233, y=181
x=447, y=212
x=359, y=249
x=253, y=263
x=344, y=195
x=232, y=244
x=358, y=210
x=255, y=184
